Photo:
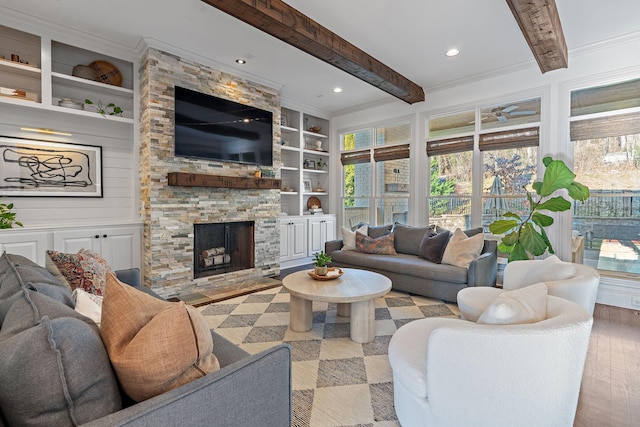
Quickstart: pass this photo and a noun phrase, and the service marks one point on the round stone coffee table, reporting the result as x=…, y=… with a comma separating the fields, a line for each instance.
x=354, y=292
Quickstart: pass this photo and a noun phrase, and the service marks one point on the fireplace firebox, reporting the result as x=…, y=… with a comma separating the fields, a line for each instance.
x=222, y=247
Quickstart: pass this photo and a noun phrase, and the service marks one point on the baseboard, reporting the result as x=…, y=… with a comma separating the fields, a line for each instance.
x=619, y=292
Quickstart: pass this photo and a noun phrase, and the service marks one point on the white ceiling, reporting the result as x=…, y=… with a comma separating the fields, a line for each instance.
x=410, y=36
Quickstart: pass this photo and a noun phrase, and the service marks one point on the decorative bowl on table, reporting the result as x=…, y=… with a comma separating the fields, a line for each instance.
x=332, y=273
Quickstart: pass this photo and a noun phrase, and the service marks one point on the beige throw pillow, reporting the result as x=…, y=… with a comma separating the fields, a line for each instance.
x=349, y=237
x=525, y=305
x=154, y=345
x=461, y=250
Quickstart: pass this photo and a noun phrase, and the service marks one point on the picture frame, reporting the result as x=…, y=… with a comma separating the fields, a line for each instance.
x=37, y=168
x=284, y=120
x=307, y=185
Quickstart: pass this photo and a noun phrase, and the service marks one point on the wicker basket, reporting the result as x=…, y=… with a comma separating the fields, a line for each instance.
x=106, y=72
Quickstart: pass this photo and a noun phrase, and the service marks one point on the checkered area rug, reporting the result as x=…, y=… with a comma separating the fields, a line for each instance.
x=336, y=382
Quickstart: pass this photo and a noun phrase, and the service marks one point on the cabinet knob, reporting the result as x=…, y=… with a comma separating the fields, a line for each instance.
x=97, y=236
x=104, y=235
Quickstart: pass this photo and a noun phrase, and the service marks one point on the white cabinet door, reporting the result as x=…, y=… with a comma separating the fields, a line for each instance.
x=299, y=238
x=119, y=246
x=71, y=241
x=292, y=238
x=32, y=245
x=321, y=230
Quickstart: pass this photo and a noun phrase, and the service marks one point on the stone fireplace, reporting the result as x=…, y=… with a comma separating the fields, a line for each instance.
x=170, y=213
x=222, y=247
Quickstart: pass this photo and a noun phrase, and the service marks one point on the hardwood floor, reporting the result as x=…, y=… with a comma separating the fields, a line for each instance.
x=610, y=392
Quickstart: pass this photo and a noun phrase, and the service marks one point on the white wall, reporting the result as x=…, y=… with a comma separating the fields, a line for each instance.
x=614, y=60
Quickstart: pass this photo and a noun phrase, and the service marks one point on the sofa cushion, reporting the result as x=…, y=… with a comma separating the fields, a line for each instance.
x=432, y=246
x=46, y=350
x=402, y=264
x=349, y=237
x=462, y=250
x=154, y=345
x=19, y=274
x=382, y=245
x=28, y=307
x=86, y=269
x=378, y=231
x=407, y=239
x=525, y=305
x=56, y=373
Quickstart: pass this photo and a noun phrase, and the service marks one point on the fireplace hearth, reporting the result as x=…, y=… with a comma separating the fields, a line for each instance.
x=222, y=247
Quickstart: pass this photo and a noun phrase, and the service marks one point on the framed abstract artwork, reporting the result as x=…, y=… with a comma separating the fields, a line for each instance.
x=49, y=169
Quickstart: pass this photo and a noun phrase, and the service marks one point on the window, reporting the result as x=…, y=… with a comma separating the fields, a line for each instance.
x=605, y=131
x=506, y=136
x=376, y=174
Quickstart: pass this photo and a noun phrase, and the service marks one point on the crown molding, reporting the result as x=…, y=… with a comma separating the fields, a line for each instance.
x=64, y=34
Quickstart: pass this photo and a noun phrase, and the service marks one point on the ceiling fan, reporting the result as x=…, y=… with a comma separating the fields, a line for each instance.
x=504, y=113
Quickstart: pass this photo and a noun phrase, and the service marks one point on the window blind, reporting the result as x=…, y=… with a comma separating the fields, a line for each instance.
x=391, y=153
x=450, y=145
x=353, y=157
x=518, y=138
x=603, y=127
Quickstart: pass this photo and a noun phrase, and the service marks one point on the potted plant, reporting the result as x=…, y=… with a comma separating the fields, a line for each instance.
x=7, y=217
x=320, y=261
x=525, y=238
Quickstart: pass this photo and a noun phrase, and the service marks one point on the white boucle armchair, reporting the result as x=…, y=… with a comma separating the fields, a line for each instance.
x=452, y=372
x=574, y=282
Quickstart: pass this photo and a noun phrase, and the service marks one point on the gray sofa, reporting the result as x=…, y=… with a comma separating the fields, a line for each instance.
x=248, y=390
x=410, y=273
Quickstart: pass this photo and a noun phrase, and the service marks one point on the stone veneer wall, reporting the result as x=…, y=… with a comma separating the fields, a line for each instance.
x=169, y=212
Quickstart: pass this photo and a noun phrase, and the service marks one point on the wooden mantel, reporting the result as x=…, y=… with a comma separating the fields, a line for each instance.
x=184, y=179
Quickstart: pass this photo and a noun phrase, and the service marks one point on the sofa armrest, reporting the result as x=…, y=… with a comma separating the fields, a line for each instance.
x=253, y=391
x=484, y=269
x=332, y=245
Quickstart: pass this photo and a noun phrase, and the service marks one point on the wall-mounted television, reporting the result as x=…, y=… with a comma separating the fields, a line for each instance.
x=212, y=128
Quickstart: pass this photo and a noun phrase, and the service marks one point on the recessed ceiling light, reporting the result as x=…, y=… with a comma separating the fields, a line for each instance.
x=453, y=52
x=241, y=61
x=337, y=89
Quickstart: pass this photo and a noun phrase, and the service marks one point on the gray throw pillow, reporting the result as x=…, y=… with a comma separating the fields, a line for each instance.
x=379, y=231
x=407, y=239
x=56, y=373
x=433, y=245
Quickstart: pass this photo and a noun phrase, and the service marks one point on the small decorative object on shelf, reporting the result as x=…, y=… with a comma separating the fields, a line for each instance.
x=320, y=164
x=315, y=129
x=71, y=103
x=319, y=145
x=84, y=72
x=106, y=72
x=110, y=109
x=320, y=261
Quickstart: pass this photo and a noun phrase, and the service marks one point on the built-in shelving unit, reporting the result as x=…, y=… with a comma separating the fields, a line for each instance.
x=305, y=161
x=36, y=73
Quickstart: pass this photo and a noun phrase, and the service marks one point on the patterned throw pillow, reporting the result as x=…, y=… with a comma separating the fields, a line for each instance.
x=383, y=245
x=86, y=269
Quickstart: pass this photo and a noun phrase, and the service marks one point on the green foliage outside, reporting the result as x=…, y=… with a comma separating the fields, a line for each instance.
x=525, y=237
x=7, y=217
x=349, y=173
x=439, y=187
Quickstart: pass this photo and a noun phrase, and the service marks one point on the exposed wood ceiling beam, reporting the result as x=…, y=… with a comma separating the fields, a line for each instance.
x=540, y=23
x=291, y=26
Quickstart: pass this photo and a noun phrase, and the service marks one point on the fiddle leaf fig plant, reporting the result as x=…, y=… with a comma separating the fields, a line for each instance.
x=525, y=237
x=7, y=216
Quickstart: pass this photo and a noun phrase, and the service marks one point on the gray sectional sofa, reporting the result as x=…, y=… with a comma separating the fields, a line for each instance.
x=54, y=369
x=410, y=273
